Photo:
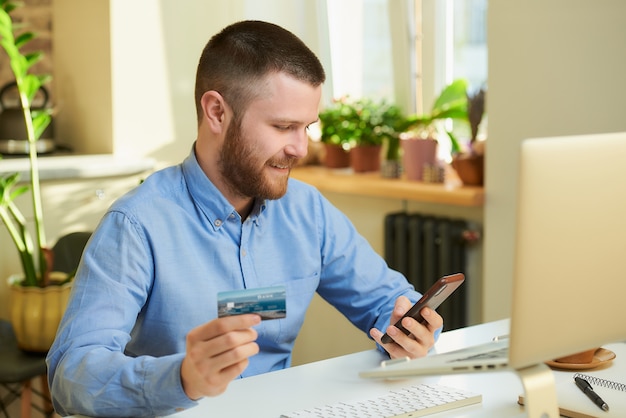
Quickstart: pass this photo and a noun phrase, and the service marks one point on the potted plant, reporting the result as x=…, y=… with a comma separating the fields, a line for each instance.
x=31, y=289
x=419, y=144
x=363, y=126
x=336, y=132
x=376, y=125
x=469, y=164
x=390, y=122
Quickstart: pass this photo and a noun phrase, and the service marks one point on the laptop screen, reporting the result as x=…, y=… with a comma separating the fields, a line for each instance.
x=569, y=285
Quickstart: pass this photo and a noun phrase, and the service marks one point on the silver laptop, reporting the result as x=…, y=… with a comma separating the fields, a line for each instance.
x=490, y=356
x=569, y=277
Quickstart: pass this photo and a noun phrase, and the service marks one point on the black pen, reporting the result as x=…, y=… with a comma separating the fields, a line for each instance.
x=588, y=390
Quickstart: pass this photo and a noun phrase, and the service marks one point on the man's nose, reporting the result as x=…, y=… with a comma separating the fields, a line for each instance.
x=299, y=145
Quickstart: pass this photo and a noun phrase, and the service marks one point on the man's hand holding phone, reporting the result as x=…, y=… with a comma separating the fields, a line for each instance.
x=421, y=337
x=413, y=331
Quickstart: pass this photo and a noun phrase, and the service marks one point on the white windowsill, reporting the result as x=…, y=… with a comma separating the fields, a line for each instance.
x=78, y=166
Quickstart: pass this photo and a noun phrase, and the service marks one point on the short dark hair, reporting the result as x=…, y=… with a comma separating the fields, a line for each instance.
x=242, y=54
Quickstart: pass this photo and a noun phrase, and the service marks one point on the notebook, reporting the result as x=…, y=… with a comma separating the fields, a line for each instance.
x=569, y=277
x=608, y=382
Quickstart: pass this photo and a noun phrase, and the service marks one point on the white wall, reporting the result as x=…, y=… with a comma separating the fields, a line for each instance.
x=126, y=70
x=556, y=67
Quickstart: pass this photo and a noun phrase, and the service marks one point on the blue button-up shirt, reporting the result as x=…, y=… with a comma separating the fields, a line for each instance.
x=154, y=266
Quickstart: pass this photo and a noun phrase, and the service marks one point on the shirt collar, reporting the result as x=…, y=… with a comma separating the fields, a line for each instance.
x=209, y=199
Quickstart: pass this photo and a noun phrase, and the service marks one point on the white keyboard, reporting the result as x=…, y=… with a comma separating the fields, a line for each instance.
x=409, y=402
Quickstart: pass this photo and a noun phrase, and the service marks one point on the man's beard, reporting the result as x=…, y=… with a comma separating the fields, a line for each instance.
x=242, y=170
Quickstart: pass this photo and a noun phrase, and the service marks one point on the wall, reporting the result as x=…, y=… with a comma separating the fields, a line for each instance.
x=82, y=74
x=126, y=70
x=556, y=67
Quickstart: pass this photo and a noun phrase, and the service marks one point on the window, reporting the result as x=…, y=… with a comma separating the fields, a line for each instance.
x=406, y=51
x=469, y=49
x=452, y=44
x=360, y=48
x=448, y=38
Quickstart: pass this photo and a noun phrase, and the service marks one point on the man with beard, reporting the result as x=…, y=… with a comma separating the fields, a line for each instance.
x=141, y=336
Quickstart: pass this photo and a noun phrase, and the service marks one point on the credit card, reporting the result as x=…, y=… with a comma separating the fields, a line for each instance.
x=267, y=302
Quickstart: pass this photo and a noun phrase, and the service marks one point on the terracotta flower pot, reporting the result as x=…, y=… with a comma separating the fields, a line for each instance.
x=35, y=314
x=470, y=169
x=335, y=156
x=364, y=158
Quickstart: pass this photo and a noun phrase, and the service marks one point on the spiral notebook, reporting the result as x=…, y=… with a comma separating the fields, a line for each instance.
x=608, y=381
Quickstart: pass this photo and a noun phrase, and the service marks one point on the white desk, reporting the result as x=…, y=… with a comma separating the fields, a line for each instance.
x=337, y=379
x=329, y=381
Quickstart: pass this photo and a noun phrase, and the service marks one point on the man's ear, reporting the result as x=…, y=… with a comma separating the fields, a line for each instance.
x=214, y=108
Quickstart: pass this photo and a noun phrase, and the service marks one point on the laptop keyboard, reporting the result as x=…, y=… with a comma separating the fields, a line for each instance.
x=412, y=401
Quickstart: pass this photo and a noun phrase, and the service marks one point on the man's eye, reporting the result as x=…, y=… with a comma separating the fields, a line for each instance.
x=283, y=127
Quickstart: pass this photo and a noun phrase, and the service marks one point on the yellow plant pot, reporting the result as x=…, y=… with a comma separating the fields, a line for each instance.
x=35, y=314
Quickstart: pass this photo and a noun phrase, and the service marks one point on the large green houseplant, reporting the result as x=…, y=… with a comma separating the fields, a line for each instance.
x=32, y=252
x=32, y=294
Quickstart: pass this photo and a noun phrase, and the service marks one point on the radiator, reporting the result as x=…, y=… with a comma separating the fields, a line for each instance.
x=425, y=248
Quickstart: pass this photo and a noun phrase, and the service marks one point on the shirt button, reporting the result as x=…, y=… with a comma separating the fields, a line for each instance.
x=243, y=253
x=231, y=216
x=218, y=222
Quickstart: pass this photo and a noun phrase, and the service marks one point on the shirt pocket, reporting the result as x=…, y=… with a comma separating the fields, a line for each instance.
x=299, y=292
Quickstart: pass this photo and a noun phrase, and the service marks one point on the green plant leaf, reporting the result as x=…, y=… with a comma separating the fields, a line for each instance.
x=18, y=191
x=43, y=78
x=23, y=39
x=7, y=191
x=41, y=120
x=455, y=147
x=456, y=112
x=9, y=7
x=18, y=65
x=30, y=86
x=5, y=19
x=33, y=58
x=453, y=94
x=9, y=179
x=9, y=47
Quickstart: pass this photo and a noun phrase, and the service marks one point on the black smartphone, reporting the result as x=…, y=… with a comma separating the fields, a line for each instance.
x=434, y=297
